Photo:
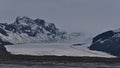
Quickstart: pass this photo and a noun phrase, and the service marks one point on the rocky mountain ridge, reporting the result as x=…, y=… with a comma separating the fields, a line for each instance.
x=25, y=29
x=108, y=41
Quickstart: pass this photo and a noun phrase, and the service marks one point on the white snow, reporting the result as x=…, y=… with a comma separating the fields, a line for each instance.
x=59, y=49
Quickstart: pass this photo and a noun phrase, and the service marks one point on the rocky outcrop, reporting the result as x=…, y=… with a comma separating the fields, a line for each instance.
x=108, y=41
x=3, y=50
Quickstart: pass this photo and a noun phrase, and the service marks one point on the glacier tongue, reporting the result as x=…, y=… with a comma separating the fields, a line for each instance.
x=58, y=49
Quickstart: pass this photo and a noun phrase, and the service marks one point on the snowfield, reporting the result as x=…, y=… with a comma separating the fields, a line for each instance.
x=59, y=49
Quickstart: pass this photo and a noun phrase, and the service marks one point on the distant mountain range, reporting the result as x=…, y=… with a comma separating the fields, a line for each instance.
x=25, y=29
x=108, y=41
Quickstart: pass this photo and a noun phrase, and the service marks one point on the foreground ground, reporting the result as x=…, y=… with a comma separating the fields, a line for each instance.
x=27, y=61
x=27, y=64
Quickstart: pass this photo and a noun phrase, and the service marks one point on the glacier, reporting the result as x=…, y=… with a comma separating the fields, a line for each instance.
x=58, y=49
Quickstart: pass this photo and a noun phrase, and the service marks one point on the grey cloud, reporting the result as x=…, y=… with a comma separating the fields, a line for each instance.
x=71, y=15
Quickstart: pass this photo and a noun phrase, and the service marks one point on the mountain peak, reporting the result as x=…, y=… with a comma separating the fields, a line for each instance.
x=23, y=20
x=22, y=17
x=25, y=29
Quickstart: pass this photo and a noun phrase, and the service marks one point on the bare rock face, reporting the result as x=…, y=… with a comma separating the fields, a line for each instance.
x=108, y=41
x=3, y=50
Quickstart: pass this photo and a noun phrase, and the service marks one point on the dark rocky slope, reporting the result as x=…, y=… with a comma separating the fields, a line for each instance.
x=108, y=41
x=3, y=50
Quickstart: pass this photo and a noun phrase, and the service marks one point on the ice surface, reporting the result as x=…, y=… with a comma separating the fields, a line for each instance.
x=59, y=49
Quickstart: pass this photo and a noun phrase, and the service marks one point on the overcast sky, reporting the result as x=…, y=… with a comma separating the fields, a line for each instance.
x=93, y=16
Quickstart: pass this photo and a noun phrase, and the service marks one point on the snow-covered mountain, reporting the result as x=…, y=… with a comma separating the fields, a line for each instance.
x=25, y=29
x=108, y=41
